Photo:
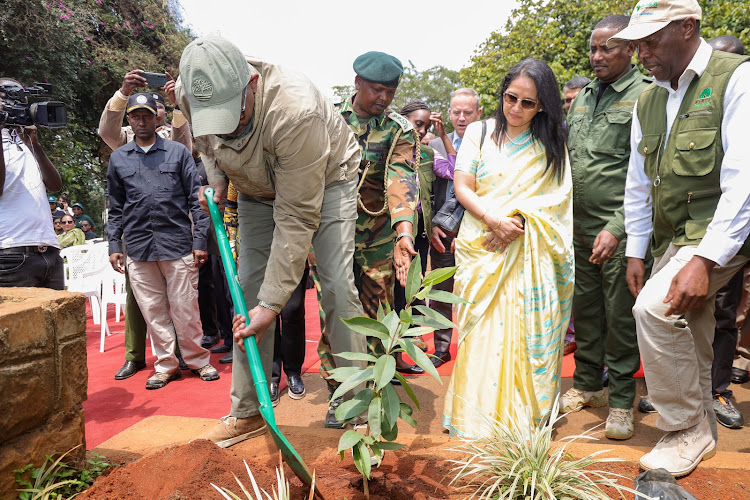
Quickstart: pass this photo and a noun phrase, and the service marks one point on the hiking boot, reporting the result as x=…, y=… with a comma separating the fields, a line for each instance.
x=207, y=373
x=576, y=399
x=726, y=414
x=645, y=405
x=331, y=422
x=619, y=424
x=232, y=430
x=160, y=379
x=679, y=452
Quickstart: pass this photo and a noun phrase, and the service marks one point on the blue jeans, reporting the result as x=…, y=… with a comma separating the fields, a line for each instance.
x=23, y=267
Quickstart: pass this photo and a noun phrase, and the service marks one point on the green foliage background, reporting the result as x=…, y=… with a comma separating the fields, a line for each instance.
x=84, y=48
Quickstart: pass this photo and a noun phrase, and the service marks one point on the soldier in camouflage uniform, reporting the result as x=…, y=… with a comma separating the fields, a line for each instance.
x=387, y=196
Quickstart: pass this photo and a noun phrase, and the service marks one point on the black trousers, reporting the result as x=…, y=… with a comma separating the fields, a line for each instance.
x=447, y=259
x=422, y=246
x=213, y=302
x=23, y=267
x=289, y=341
x=725, y=335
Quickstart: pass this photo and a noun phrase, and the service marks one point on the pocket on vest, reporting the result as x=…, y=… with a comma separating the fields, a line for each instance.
x=701, y=206
x=695, y=153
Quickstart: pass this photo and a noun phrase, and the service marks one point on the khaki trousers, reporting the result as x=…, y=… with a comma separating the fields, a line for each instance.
x=676, y=351
x=334, y=248
x=167, y=293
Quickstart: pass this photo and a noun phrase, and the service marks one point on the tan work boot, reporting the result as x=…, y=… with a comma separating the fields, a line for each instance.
x=619, y=424
x=576, y=399
x=231, y=430
x=679, y=452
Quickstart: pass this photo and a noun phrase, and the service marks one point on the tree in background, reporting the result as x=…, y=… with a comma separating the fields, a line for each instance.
x=83, y=48
x=558, y=32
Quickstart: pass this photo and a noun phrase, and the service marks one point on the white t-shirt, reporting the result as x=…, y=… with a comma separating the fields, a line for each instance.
x=25, y=217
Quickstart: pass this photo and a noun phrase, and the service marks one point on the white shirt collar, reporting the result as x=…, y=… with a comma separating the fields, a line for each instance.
x=696, y=67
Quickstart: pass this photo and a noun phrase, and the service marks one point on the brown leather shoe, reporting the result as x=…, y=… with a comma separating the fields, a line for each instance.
x=570, y=346
x=232, y=430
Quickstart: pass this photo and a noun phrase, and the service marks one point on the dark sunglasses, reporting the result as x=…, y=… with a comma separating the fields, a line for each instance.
x=67, y=222
x=511, y=100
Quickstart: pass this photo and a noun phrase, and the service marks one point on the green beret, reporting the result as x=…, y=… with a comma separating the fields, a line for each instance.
x=379, y=67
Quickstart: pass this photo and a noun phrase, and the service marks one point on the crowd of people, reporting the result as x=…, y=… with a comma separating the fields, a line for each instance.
x=621, y=205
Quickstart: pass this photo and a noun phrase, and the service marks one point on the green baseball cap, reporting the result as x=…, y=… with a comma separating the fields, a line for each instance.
x=379, y=67
x=52, y=199
x=214, y=72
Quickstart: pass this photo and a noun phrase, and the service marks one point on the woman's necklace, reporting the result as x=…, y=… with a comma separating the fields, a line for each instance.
x=525, y=135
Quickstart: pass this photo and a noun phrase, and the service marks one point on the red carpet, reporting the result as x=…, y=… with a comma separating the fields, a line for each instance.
x=114, y=405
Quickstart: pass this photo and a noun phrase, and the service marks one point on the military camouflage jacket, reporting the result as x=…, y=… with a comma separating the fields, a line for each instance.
x=375, y=139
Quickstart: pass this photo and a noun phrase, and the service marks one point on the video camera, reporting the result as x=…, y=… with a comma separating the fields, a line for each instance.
x=17, y=111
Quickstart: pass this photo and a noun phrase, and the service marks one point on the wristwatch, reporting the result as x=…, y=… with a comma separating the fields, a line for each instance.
x=404, y=235
x=273, y=307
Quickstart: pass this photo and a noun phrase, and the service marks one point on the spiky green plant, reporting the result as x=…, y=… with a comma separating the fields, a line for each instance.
x=517, y=461
x=282, y=493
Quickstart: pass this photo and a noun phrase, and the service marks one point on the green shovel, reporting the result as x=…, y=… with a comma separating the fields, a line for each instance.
x=291, y=457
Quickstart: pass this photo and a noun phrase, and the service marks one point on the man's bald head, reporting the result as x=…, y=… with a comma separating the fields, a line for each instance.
x=727, y=43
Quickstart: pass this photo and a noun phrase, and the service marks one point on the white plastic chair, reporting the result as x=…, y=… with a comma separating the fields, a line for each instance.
x=113, y=292
x=83, y=265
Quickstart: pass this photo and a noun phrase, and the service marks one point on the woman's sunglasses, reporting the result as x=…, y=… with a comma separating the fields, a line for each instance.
x=67, y=222
x=511, y=100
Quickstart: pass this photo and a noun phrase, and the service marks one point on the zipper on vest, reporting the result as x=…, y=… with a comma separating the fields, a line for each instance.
x=702, y=112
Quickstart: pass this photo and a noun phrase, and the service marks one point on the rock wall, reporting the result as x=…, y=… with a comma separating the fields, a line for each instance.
x=43, y=379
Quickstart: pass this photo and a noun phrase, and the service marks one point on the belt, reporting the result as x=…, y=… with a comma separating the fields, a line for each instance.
x=26, y=250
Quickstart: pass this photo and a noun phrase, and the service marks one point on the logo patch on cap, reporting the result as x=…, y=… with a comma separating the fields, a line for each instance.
x=202, y=89
x=141, y=99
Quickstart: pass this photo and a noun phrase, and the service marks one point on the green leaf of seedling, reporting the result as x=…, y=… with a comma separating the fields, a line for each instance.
x=355, y=406
x=344, y=373
x=438, y=275
x=443, y=296
x=405, y=415
x=423, y=292
x=387, y=308
x=389, y=434
x=367, y=326
x=391, y=402
x=377, y=452
x=409, y=391
x=425, y=321
x=418, y=330
x=361, y=456
x=391, y=323
x=419, y=358
x=374, y=418
x=381, y=314
x=405, y=317
x=353, y=382
x=412, y=278
x=390, y=446
x=349, y=439
x=383, y=371
x=434, y=315
x=357, y=356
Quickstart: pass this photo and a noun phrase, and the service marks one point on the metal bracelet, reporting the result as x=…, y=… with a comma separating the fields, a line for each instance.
x=272, y=307
x=404, y=235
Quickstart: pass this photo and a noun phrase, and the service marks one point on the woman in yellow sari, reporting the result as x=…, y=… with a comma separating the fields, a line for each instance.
x=515, y=257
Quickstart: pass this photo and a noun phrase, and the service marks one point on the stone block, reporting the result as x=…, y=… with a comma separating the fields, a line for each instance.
x=73, y=373
x=68, y=315
x=25, y=331
x=28, y=396
x=60, y=435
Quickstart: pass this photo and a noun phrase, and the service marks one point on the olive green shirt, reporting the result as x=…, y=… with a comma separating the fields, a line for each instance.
x=599, y=147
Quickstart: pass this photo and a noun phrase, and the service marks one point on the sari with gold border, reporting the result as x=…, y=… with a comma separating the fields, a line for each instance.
x=511, y=330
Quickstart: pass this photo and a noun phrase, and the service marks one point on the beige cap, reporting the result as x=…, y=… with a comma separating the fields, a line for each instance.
x=649, y=16
x=214, y=73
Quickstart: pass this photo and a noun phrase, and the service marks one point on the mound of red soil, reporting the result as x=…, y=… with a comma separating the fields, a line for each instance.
x=185, y=472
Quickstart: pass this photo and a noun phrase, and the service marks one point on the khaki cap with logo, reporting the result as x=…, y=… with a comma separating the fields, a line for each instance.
x=650, y=16
x=214, y=74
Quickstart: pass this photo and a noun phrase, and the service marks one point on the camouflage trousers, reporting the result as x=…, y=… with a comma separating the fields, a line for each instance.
x=374, y=278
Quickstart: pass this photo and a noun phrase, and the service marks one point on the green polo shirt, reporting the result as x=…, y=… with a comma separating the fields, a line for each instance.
x=599, y=148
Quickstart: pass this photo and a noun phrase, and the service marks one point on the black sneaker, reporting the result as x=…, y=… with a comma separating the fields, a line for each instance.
x=331, y=422
x=296, y=386
x=645, y=406
x=726, y=413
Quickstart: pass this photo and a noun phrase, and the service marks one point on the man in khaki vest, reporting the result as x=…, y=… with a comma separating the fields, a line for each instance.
x=687, y=195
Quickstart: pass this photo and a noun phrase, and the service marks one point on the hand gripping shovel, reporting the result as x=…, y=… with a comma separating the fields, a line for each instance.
x=291, y=457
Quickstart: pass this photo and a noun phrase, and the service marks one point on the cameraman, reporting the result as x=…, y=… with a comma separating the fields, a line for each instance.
x=29, y=252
